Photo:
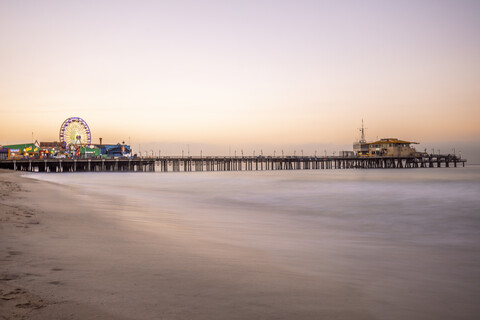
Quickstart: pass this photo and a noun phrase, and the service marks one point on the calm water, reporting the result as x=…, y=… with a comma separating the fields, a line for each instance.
x=408, y=239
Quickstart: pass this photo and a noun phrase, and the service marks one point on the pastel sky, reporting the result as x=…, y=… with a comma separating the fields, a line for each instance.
x=247, y=74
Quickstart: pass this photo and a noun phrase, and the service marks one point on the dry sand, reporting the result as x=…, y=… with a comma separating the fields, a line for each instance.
x=61, y=258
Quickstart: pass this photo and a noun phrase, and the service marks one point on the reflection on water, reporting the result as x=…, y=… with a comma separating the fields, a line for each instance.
x=405, y=238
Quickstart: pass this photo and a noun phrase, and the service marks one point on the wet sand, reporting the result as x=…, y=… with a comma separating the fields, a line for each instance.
x=64, y=255
x=60, y=259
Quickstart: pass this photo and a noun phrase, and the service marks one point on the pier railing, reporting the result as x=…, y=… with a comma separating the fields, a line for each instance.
x=246, y=163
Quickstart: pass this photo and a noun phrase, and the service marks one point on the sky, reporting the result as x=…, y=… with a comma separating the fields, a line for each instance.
x=226, y=76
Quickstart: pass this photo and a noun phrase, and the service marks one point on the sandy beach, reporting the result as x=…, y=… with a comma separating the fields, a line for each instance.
x=69, y=251
x=62, y=260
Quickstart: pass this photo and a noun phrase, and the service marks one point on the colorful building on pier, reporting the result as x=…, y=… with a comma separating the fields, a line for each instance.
x=114, y=150
x=23, y=150
x=3, y=153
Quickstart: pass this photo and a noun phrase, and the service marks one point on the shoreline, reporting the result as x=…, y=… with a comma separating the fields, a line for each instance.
x=63, y=259
x=91, y=249
x=28, y=283
x=15, y=301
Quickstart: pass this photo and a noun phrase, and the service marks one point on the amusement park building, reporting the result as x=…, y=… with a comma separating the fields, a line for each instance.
x=55, y=149
x=3, y=153
x=114, y=150
x=50, y=145
x=74, y=142
x=23, y=150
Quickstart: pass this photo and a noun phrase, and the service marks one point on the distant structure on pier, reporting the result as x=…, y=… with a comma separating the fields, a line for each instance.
x=387, y=147
x=75, y=142
x=75, y=132
x=77, y=156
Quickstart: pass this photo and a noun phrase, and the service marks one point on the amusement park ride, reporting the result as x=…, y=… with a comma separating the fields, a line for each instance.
x=74, y=133
x=76, y=140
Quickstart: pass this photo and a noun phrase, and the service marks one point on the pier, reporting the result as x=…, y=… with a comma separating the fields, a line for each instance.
x=260, y=163
x=79, y=165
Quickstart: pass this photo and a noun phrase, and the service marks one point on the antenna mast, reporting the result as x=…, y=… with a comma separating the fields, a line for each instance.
x=362, y=130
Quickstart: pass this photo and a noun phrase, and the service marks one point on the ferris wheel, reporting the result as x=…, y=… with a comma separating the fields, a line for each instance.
x=75, y=132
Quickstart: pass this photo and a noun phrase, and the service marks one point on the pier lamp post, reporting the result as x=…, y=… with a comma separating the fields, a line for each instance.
x=302, y=153
x=334, y=153
x=274, y=151
x=201, y=153
x=325, y=153
x=282, y=153
x=294, y=153
x=315, y=153
x=254, y=153
x=438, y=151
x=235, y=152
x=242, y=153
x=152, y=153
x=182, y=153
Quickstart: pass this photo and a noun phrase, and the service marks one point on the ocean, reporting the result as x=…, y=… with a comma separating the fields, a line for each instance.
x=407, y=239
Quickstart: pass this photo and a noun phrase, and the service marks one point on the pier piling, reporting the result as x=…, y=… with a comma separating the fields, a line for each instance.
x=200, y=164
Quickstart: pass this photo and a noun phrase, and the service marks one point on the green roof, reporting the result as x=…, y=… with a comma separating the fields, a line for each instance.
x=23, y=146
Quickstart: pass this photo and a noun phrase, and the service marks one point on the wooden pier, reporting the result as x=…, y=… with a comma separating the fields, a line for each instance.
x=188, y=164
x=79, y=165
